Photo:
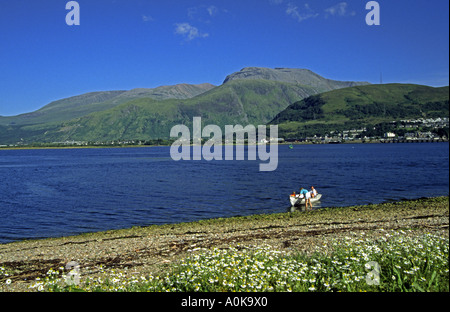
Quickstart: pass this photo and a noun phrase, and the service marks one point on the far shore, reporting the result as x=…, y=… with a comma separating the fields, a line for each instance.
x=75, y=146
x=152, y=249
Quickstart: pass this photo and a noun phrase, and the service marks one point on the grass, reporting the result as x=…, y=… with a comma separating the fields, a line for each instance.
x=396, y=262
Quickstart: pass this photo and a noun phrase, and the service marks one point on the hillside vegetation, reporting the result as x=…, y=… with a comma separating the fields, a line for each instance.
x=148, y=114
x=84, y=104
x=361, y=107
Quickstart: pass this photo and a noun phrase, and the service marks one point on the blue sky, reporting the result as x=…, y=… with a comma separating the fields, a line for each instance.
x=126, y=44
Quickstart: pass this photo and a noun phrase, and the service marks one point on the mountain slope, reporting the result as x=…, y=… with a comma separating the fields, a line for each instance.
x=360, y=106
x=64, y=109
x=82, y=105
x=141, y=114
x=240, y=102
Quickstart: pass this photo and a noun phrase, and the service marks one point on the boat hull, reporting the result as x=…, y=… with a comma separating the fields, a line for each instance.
x=297, y=201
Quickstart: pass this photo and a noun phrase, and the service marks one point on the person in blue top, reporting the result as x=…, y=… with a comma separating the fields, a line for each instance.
x=307, y=197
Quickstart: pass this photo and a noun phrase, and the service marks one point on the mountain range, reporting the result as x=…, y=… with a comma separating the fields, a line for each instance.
x=298, y=100
x=253, y=95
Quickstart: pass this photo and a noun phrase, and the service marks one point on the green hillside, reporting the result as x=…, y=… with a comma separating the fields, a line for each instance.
x=64, y=109
x=237, y=102
x=84, y=104
x=361, y=106
x=251, y=96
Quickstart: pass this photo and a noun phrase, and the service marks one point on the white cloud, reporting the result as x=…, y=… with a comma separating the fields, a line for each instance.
x=300, y=16
x=339, y=9
x=147, y=18
x=189, y=32
x=212, y=10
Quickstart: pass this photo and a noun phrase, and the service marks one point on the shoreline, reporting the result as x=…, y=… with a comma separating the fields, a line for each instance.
x=291, y=210
x=8, y=148
x=153, y=249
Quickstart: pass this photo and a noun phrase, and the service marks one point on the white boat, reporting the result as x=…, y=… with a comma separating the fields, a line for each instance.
x=297, y=200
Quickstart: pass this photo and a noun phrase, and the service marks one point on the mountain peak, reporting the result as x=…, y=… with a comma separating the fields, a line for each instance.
x=292, y=75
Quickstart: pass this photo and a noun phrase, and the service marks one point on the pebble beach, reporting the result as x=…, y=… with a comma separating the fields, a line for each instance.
x=154, y=249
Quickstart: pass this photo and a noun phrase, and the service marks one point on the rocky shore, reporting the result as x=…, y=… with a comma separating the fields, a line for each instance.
x=153, y=249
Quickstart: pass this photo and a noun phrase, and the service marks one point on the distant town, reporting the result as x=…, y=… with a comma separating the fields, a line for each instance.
x=402, y=131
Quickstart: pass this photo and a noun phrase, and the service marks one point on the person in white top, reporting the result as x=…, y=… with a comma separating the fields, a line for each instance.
x=313, y=192
x=308, y=200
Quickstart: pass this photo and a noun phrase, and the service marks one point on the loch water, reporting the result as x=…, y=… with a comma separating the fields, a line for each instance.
x=60, y=192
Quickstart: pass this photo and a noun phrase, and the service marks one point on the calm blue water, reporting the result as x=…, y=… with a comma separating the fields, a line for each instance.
x=49, y=193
